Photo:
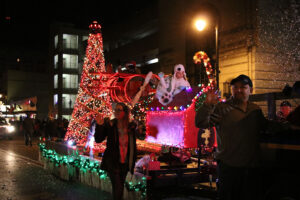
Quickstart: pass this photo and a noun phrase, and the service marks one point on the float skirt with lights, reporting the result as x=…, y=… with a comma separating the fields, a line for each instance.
x=66, y=163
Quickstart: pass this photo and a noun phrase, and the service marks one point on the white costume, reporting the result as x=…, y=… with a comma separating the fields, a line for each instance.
x=178, y=84
x=164, y=89
x=169, y=86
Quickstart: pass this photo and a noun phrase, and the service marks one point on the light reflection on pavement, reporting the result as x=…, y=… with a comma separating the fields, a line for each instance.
x=25, y=179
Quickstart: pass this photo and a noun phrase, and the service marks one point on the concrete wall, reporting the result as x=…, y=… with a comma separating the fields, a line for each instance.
x=277, y=60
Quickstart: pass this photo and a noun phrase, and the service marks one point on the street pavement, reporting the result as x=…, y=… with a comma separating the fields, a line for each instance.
x=23, y=178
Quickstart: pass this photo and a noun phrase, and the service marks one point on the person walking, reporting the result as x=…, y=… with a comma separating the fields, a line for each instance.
x=120, y=154
x=28, y=128
x=239, y=124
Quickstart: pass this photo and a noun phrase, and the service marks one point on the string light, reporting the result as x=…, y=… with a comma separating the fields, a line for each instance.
x=201, y=57
x=84, y=164
x=90, y=101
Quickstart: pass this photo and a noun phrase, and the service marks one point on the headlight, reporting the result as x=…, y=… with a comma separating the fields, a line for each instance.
x=10, y=129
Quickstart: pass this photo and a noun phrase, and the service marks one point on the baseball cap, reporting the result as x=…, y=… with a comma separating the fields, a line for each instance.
x=243, y=79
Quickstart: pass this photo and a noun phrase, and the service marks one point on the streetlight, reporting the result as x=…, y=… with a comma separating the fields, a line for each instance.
x=200, y=24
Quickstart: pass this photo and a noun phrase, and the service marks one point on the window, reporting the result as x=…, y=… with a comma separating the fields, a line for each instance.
x=70, y=41
x=55, y=81
x=55, y=41
x=55, y=99
x=70, y=81
x=74, y=61
x=65, y=43
x=68, y=117
x=85, y=38
x=152, y=61
x=68, y=101
x=55, y=61
x=70, y=61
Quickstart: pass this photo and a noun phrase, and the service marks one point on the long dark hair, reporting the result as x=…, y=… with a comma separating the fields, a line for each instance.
x=126, y=111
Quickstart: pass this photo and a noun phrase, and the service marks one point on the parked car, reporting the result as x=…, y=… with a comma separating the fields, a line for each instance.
x=6, y=129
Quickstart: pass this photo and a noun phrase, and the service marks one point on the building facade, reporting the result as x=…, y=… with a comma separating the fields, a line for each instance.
x=28, y=92
x=24, y=82
x=249, y=40
x=67, y=51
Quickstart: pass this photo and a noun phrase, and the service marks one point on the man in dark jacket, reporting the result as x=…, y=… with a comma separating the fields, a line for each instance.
x=239, y=124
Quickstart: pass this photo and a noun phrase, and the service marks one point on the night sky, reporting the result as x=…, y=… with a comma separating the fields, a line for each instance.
x=26, y=23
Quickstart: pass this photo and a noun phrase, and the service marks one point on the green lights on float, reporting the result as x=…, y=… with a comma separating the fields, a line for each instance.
x=85, y=164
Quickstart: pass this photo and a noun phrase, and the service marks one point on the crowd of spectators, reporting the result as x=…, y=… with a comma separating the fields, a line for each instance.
x=47, y=128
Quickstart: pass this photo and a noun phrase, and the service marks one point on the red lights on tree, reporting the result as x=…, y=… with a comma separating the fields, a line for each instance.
x=95, y=27
x=91, y=102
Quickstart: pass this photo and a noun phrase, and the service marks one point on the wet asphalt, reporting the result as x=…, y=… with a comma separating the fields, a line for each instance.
x=24, y=179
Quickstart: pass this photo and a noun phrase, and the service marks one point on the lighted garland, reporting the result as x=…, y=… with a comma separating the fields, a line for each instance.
x=85, y=164
x=201, y=57
x=140, y=186
x=76, y=160
x=200, y=97
x=139, y=110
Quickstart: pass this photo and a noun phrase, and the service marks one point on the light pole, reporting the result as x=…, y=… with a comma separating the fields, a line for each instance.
x=217, y=53
x=200, y=25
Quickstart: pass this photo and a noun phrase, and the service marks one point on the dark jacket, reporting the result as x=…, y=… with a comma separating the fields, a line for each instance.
x=111, y=157
x=238, y=132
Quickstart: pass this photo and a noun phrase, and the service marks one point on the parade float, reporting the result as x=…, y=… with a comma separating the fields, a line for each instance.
x=169, y=154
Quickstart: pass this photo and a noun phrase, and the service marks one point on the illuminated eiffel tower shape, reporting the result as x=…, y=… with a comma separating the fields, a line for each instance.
x=91, y=102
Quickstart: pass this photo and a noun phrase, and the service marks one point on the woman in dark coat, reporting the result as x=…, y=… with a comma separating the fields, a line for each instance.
x=120, y=154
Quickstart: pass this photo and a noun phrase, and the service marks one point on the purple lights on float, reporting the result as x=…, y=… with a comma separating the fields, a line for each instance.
x=189, y=89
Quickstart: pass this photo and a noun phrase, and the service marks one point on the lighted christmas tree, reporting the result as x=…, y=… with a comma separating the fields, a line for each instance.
x=93, y=100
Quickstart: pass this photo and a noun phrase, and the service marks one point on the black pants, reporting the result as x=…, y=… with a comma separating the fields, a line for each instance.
x=238, y=183
x=117, y=177
x=28, y=138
